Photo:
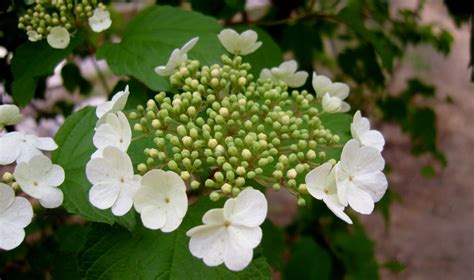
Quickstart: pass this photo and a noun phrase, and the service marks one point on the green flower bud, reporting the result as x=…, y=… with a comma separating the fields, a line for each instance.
x=214, y=196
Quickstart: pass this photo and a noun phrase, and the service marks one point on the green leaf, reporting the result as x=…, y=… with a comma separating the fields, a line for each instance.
x=273, y=244
x=356, y=251
x=308, y=261
x=74, y=139
x=114, y=253
x=267, y=56
x=394, y=266
x=340, y=125
x=32, y=61
x=150, y=38
x=303, y=49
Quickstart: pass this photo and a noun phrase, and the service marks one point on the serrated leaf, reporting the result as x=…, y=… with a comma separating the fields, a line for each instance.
x=114, y=253
x=74, y=139
x=32, y=61
x=150, y=38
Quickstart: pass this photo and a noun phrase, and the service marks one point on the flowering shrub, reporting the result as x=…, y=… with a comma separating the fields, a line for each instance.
x=176, y=175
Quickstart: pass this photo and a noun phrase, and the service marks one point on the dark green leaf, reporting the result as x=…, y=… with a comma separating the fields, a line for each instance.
x=308, y=261
x=150, y=38
x=114, y=253
x=273, y=244
x=32, y=61
x=72, y=79
x=394, y=266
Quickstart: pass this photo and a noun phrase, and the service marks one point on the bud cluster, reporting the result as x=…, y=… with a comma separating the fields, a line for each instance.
x=46, y=14
x=225, y=130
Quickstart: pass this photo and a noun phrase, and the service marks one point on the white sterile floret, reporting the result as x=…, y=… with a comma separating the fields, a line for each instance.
x=117, y=103
x=58, y=37
x=33, y=36
x=9, y=115
x=15, y=214
x=360, y=129
x=230, y=234
x=359, y=178
x=22, y=147
x=287, y=73
x=322, y=85
x=40, y=179
x=240, y=44
x=113, y=183
x=100, y=20
x=115, y=131
x=178, y=57
x=321, y=184
x=161, y=200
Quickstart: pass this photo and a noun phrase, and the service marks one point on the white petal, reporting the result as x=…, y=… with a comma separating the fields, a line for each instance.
x=229, y=38
x=55, y=176
x=173, y=220
x=214, y=217
x=42, y=143
x=100, y=20
x=115, y=132
x=238, y=252
x=265, y=74
x=248, y=236
x=340, y=90
x=11, y=236
x=58, y=37
x=208, y=243
x=331, y=104
x=7, y=195
x=124, y=201
x=19, y=213
x=248, y=209
x=117, y=103
x=189, y=45
x=27, y=152
x=321, y=84
x=104, y=195
x=248, y=42
x=316, y=180
x=153, y=217
x=298, y=79
x=373, y=183
x=51, y=197
x=360, y=200
x=289, y=66
x=9, y=148
x=373, y=139
x=332, y=202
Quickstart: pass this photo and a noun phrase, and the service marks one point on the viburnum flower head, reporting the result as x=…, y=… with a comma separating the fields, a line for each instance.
x=178, y=57
x=287, y=73
x=359, y=178
x=360, y=129
x=117, y=103
x=113, y=183
x=239, y=44
x=161, y=200
x=332, y=94
x=58, y=37
x=40, y=179
x=9, y=115
x=100, y=20
x=115, y=131
x=321, y=184
x=15, y=214
x=230, y=234
x=22, y=147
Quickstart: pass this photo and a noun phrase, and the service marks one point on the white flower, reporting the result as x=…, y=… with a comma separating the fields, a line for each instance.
x=115, y=132
x=286, y=72
x=359, y=178
x=33, y=36
x=40, y=179
x=22, y=147
x=100, y=20
x=360, y=129
x=9, y=115
x=331, y=104
x=178, y=57
x=113, y=183
x=161, y=200
x=118, y=102
x=321, y=184
x=15, y=214
x=58, y=37
x=230, y=234
x=322, y=85
x=241, y=44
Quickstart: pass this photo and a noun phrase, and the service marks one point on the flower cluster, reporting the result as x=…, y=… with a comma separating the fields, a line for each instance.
x=55, y=20
x=224, y=132
x=34, y=174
